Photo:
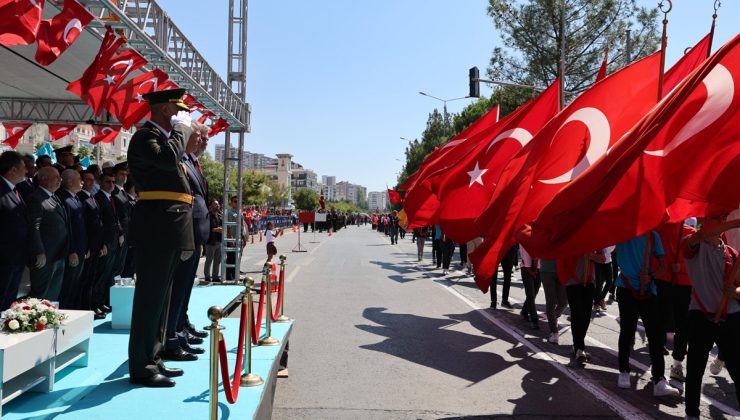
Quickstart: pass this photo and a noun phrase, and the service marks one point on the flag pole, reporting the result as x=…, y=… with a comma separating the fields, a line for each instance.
x=717, y=5
x=561, y=71
x=663, y=44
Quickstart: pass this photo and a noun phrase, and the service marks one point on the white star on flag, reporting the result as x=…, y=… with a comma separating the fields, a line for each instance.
x=110, y=79
x=476, y=175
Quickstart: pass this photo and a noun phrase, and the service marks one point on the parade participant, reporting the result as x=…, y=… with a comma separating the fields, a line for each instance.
x=270, y=239
x=78, y=245
x=129, y=190
x=448, y=248
x=112, y=240
x=49, y=236
x=531, y=281
x=421, y=235
x=15, y=226
x=26, y=187
x=577, y=274
x=178, y=341
x=636, y=296
x=124, y=208
x=714, y=312
x=603, y=281
x=65, y=158
x=507, y=265
x=212, y=266
x=556, y=298
x=232, y=215
x=97, y=249
x=161, y=230
x=463, y=250
x=393, y=227
x=42, y=161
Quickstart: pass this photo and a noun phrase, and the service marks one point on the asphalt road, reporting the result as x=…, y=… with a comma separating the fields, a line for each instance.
x=378, y=335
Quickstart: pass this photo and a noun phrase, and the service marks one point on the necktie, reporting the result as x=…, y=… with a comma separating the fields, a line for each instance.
x=18, y=196
x=198, y=165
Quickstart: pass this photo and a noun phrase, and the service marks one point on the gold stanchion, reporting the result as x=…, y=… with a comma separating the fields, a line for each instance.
x=249, y=378
x=214, y=314
x=268, y=340
x=282, y=317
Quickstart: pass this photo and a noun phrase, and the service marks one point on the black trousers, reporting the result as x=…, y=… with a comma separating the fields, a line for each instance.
x=437, y=252
x=69, y=298
x=231, y=271
x=46, y=282
x=531, y=284
x=703, y=334
x=448, y=248
x=104, y=278
x=674, y=300
x=463, y=253
x=87, y=282
x=507, y=264
x=630, y=310
x=10, y=281
x=155, y=269
x=604, y=281
x=580, y=300
x=182, y=287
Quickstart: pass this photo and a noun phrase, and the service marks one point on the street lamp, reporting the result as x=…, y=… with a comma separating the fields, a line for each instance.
x=444, y=102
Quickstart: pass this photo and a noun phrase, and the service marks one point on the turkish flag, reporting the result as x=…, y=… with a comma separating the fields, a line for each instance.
x=20, y=21
x=681, y=160
x=420, y=203
x=465, y=189
x=127, y=103
x=104, y=134
x=58, y=131
x=217, y=127
x=168, y=85
x=205, y=114
x=58, y=33
x=394, y=197
x=14, y=133
x=575, y=139
x=106, y=73
x=602, y=70
x=193, y=103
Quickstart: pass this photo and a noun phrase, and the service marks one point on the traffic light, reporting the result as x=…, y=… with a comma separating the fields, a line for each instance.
x=473, y=75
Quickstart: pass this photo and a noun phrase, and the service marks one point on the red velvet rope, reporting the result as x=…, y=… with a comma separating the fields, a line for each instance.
x=279, y=299
x=257, y=320
x=232, y=390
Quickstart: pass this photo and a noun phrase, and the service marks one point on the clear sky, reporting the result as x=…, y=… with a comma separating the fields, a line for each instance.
x=336, y=82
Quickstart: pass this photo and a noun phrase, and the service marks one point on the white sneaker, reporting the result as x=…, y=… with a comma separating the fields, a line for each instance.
x=716, y=366
x=553, y=338
x=624, y=380
x=662, y=389
x=444, y=272
x=582, y=357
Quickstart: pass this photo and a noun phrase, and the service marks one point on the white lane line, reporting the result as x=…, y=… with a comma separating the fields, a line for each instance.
x=621, y=407
x=292, y=275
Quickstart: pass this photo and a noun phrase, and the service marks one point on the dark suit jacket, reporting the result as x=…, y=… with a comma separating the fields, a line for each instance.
x=111, y=227
x=124, y=209
x=93, y=222
x=78, y=242
x=199, y=187
x=155, y=165
x=49, y=226
x=25, y=187
x=15, y=226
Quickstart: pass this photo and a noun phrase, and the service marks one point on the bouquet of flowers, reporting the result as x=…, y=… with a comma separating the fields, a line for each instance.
x=32, y=315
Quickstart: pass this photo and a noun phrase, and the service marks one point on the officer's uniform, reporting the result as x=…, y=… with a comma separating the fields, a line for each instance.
x=161, y=228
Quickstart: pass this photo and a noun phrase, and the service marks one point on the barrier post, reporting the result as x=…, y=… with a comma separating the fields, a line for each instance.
x=214, y=314
x=249, y=378
x=282, y=317
x=268, y=340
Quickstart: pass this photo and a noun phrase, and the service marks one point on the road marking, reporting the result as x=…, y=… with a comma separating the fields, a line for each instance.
x=292, y=275
x=621, y=407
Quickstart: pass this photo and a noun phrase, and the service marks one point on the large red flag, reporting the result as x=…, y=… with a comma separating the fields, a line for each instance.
x=14, y=133
x=394, y=197
x=580, y=135
x=420, y=203
x=602, y=70
x=104, y=134
x=58, y=131
x=127, y=103
x=106, y=73
x=681, y=160
x=58, y=33
x=19, y=22
x=217, y=127
x=465, y=189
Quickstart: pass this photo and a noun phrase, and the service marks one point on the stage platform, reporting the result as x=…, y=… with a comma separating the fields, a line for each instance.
x=102, y=390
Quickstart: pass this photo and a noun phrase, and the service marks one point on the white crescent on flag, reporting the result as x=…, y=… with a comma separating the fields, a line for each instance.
x=72, y=24
x=153, y=80
x=720, y=93
x=519, y=134
x=599, y=132
x=106, y=130
x=128, y=64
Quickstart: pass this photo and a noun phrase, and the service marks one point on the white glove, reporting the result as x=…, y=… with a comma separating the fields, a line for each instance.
x=40, y=260
x=182, y=117
x=74, y=260
x=185, y=255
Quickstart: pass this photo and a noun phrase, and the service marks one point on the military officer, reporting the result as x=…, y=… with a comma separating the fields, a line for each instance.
x=161, y=230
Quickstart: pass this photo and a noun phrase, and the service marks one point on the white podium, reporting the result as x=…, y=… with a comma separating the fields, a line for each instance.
x=122, y=302
x=29, y=361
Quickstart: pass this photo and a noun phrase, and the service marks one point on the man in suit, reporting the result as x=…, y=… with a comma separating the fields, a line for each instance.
x=129, y=191
x=65, y=158
x=49, y=236
x=26, y=187
x=97, y=250
x=15, y=227
x=78, y=246
x=112, y=240
x=124, y=208
x=161, y=230
x=179, y=335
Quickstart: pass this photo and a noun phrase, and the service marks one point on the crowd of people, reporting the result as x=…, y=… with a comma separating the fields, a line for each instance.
x=679, y=280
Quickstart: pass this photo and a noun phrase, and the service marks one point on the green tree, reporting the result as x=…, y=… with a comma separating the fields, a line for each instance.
x=306, y=199
x=437, y=132
x=531, y=34
x=345, y=207
x=214, y=173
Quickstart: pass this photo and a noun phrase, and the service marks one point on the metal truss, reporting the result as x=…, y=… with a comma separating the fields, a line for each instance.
x=47, y=110
x=153, y=34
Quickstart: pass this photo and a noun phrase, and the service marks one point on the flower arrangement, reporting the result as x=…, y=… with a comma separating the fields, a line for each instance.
x=32, y=315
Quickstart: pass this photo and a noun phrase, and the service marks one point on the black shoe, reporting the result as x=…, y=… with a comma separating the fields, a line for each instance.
x=195, y=332
x=506, y=304
x=170, y=372
x=156, y=381
x=524, y=314
x=194, y=340
x=107, y=309
x=535, y=325
x=178, y=355
x=194, y=350
x=493, y=305
x=99, y=315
